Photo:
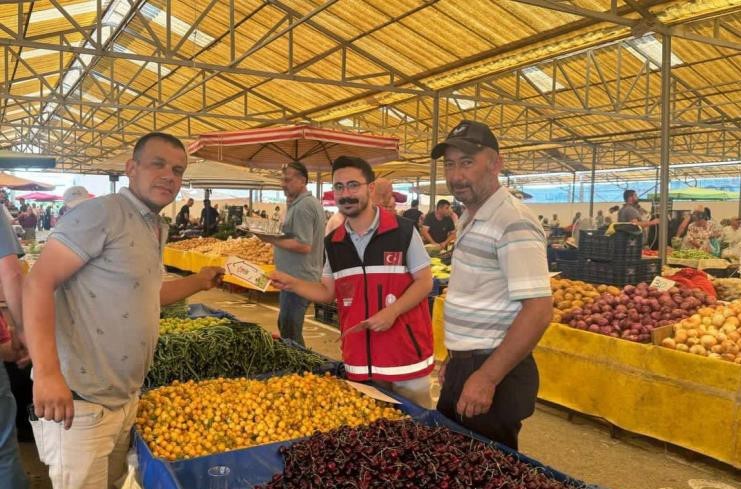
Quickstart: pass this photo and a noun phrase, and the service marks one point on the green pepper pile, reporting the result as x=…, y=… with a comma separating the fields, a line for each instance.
x=224, y=350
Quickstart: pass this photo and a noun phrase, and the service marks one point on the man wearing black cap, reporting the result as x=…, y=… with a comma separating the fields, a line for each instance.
x=302, y=254
x=499, y=296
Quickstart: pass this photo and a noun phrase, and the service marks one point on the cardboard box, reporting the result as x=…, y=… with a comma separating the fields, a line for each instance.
x=658, y=334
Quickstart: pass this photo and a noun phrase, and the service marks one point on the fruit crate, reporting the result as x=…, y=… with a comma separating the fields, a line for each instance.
x=620, y=273
x=621, y=246
x=326, y=313
x=569, y=268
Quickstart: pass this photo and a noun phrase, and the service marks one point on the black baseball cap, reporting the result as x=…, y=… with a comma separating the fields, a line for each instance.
x=468, y=136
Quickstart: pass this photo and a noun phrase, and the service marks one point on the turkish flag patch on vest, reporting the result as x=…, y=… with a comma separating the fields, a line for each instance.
x=392, y=258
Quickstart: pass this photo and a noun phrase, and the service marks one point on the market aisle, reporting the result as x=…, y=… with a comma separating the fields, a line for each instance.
x=581, y=447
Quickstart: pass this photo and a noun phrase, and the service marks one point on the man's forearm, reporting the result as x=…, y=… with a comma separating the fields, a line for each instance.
x=292, y=245
x=523, y=335
x=40, y=328
x=313, y=291
x=175, y=290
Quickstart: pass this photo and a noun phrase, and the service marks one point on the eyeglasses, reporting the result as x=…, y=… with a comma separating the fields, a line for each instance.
x=351, y=187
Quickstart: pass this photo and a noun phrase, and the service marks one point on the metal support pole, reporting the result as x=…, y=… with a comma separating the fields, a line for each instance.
x=113, y=179
x=739, y=195
x=433, y=163
x=666, y=66
x=591, y=183
x=573, y=189
x=319, y=185
x=251, y=193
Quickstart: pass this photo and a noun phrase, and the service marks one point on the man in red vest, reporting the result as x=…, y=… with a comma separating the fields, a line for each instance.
x=377, y=268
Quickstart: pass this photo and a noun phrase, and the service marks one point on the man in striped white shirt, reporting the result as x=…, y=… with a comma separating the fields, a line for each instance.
x=499, y=296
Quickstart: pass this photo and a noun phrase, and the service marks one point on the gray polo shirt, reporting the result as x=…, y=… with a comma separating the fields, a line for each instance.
x=107, y=314
x=305, y=221
x=628, y=213
x=9, y=244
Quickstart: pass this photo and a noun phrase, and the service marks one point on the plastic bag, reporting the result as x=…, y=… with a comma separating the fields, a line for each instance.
x=694, y=279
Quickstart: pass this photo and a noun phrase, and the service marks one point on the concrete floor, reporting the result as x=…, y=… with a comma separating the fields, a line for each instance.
x=580, y=446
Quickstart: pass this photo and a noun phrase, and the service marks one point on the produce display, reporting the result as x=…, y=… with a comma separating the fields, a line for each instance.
x=574, y=294
x=177, y=309
x=191, y=244
x=183, y=325
x=713, y=332
x=637, y=310
x=692, y=255
x=250, y=249
x=191, y=419
x=439, y=269
x=222, y=350
x=406, y=454
x=727, y=289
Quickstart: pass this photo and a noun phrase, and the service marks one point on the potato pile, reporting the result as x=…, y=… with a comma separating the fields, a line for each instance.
x=250, y=249
x=192, y=244
x=712, y=332
x=727, y=289
x=573, y=294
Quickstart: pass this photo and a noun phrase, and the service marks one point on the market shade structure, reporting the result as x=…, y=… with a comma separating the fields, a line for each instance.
x=271, y=148
x=695, y=193
x=40, y=197
x=17, y=183
x=17, y=160
x=205, y=174
x=442, y=189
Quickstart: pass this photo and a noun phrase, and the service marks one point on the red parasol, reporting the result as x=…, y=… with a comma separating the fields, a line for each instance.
x=271, y=148
x=40, y=197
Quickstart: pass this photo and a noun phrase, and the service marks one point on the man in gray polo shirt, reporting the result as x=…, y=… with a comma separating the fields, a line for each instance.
x=631, y=212
x=302, y=253
x=92, y=304
x=499, y=296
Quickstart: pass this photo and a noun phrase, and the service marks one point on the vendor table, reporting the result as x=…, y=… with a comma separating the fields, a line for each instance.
x=687, y=400
x=191, y=261
x=256, y=465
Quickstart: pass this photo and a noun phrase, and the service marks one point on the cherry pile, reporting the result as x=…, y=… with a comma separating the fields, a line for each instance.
x=403, y=454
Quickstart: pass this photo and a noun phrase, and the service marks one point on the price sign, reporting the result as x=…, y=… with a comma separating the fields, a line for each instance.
x=249, y=272
x=663, y=284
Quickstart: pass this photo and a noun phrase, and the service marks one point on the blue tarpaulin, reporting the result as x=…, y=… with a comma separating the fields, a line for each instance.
x=257, y=465
x=202, y=310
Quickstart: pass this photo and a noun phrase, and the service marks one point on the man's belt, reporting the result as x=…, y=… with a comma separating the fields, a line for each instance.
x=470, y=353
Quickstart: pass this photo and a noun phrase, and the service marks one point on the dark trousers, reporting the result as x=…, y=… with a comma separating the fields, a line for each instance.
x=291, y=316
x=514, y=398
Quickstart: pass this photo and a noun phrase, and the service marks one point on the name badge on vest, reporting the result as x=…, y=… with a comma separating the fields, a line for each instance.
x=392, y=258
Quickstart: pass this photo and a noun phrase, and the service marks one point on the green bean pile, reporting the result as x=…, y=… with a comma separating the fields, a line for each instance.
x=177, y=309
x=234, y=350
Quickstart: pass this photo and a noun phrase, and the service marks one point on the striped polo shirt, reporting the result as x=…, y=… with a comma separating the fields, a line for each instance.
x=499, y=260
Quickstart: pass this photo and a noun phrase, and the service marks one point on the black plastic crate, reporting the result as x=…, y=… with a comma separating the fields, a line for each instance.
x=621, y=246
x=326, y=313
x=649, y=269
x=569, y=268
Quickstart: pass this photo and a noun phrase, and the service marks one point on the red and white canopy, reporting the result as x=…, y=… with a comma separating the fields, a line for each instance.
x=271, y=148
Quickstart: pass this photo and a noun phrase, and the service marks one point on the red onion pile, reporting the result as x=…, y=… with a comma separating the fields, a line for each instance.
x=403, y=454
x=639, y=309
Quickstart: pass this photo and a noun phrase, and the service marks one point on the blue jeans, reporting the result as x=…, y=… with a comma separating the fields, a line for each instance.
x=291, y=316
x=11, y=470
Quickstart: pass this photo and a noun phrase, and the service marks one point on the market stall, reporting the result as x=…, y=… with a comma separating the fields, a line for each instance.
x=194, y=254
x=682, y=392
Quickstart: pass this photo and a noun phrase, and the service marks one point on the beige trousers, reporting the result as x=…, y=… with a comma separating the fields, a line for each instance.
x=416, y=390
x=92, y=453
